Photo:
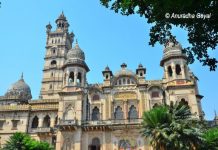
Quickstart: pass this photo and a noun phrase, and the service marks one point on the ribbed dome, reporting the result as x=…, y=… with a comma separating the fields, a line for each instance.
x=19, y=90
x=76, y=53
x=172, y=48
x=124, y=71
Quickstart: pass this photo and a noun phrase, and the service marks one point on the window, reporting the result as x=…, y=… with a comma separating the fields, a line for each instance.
x=183, y=102
x=95, y=97
x=178, y=69
x=170, y=71
x=53, y=62
x=56, y=120
x=95, y=144
x=124, y=81
x=155, y=94
x=35, y=122
x=79, y=78
x=2, y=124
x=14, y=124
x=95, y=114
x=52, y=74
x=69, y=113
x=120, y=82
x=128, y=81
x=71, y=77
x=50, y=86
x=46, y=121
x=106, y=76
x=133, y=114
x=141, y=74
x=118, y=113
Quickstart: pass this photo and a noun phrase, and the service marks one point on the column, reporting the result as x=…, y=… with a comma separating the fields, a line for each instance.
x=40, y=122
x=52, y=122
x=75, y=78
x=174, y=71
x=183, y=71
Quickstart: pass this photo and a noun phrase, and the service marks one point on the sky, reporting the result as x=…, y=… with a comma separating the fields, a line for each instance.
x=106, y=38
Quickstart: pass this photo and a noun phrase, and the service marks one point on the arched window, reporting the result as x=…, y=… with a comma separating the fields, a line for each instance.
x=170, y=71
x=53, y=51
x=35, y=122
x=95, y=114
x=120, y=82
x=133, y=114
x=50, y=86
x=178, y=69
x=141, y=74
x=124, y=81
x=69, y=113
x=183, y=102
x=95, y=97
x=155, y=94
x=95, y=145
x=53, y=62
x=118, y=113
x=106, y=76
x=124, y=144
x=46, y=121
x=79, y=78
x=128, y=81
x=71, y=77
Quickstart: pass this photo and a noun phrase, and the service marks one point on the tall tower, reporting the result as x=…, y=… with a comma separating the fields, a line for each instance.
x=57, y=45
x=73, y=97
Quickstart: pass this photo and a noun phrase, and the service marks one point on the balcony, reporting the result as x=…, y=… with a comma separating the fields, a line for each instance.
x=67, y=125
x=67, y=122
x=41, y=130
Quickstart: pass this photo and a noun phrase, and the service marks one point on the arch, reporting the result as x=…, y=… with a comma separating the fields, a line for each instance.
x=170, y=71
x=183, y=102
x=46, y=121
x=50, y=86
x=118, y=114
x=133, y=114
x=79, y=77
x=69, y=113
x=95, y=97
x=71, y=77
x=35, y=122
x=53, y=62
x=141, y=74
x=128, y=81
x=95, y=145
x=119, y=82
x=178, y=69
x=106, y=76
x=124, y=81
x=155, y=105
x=95, y=114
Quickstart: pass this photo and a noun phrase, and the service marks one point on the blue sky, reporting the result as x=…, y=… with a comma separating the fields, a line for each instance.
x=105, y=37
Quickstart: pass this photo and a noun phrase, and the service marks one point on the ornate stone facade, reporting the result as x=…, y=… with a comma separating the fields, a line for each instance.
x=72, y=114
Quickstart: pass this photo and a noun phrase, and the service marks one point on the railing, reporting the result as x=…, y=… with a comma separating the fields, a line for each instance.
x=112, y=122
x=67, y=122
x=41, y=130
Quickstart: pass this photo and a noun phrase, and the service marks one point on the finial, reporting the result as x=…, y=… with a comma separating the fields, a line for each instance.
x=21, y=76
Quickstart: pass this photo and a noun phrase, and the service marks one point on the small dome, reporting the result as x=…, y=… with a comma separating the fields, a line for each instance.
x=76, y=53
x=172, y=48
x=19, y=90
x=124, y=71
x=61, y=17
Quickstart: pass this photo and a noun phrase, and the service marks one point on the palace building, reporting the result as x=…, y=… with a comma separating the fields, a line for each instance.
x=72, y=114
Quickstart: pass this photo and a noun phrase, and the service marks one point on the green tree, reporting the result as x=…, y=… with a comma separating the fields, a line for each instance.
x=211, y=139
x=22, y=141
x=202, y=33
x=172, y=127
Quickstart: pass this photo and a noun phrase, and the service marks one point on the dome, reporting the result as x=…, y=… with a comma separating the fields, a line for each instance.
x=61, y=17
x=19, y=90
x=76, y=53
x=172, y=48
x=124, y=71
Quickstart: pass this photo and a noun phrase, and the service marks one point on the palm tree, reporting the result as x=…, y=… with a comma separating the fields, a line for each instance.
x=211, y=139
x=22, y=141
x=172, y=127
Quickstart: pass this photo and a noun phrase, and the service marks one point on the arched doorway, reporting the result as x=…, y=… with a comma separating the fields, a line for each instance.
x=95, y=145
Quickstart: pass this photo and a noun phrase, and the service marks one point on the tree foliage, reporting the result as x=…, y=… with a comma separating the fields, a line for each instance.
x=172, y=127
x=202, y=32
x=211, y=139
x=22, y=141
